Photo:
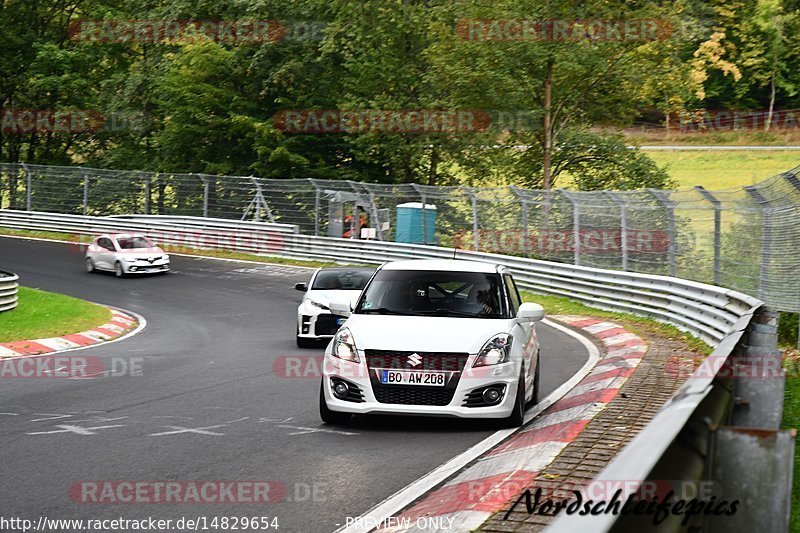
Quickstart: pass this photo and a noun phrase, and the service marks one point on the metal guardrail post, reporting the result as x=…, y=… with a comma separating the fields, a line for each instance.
x=717, y=230
x=623, y=238
x=576, y=226
x=524, y=206
x=27, y=187
x=669, y=205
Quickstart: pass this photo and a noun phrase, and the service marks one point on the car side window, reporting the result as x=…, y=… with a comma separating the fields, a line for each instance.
x=106, y=243
x=513, y=294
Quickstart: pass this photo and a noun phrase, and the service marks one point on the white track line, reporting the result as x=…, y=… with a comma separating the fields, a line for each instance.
x=405, y=496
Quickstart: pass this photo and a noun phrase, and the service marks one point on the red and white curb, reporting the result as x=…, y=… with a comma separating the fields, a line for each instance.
x=469, y=498
x=121, y=325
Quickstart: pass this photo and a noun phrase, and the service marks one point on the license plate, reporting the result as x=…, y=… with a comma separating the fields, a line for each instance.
x=399, y=377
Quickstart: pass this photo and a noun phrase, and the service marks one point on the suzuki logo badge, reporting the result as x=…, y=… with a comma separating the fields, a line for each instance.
x=414, y=359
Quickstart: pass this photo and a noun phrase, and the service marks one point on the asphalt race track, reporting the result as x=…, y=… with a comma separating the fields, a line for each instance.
x=206, y=404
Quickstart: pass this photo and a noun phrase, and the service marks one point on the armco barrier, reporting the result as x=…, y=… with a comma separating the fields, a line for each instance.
x=687, y=440
x=8, y=291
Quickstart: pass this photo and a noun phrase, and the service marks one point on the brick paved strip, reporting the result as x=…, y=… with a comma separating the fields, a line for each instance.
x=654, y=381
x=486, y=486
x=120, y=324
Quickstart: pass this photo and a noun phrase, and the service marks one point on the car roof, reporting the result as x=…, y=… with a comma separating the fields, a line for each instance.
x=346, y=269
x=122, y=235
x=450, y=265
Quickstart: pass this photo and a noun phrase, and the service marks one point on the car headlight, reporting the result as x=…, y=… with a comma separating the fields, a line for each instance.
x=344, y=347
x=165, y=257
x=496, y=351
x=317, y=304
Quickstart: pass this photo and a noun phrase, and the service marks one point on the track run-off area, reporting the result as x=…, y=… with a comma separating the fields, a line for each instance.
x=197, y=398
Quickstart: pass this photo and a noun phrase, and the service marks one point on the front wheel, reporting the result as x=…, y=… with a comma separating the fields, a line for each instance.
x=517, y=416
x=118, y=270
x=328, y=416
x=89, y=265
x=535, y=397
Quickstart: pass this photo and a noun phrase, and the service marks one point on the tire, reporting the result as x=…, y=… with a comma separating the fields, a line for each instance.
x=90, y=265
x=517, y=416
x=328, y=416
x=535, y=397
x=118, y=270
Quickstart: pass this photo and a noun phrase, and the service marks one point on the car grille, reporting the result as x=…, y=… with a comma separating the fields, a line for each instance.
x=326, y=324
x=410, y=395
x=429, y=360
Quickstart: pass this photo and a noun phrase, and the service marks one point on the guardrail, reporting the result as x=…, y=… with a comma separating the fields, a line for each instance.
x=674, y=445
x=9, y=287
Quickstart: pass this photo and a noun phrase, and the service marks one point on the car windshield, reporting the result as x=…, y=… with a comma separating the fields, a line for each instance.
x=339, y=279
x=427, y=293
x=129, y=243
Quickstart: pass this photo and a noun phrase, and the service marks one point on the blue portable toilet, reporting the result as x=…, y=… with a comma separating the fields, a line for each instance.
x=409, y=226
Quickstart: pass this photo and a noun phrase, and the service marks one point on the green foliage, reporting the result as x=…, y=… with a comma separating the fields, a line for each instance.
x=202, y=106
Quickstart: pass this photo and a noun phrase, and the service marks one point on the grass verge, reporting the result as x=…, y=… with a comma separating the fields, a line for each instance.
x=560, y=305
x=791, y=419
x=41, y=314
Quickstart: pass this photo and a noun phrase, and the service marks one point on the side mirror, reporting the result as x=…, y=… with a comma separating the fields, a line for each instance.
x=301, y=287
x=530, y=312
x=340, y=308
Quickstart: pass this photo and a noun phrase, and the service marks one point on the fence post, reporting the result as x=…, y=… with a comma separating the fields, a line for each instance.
x=206, y=187
x=474, y=201
x=317, y=206
x=27, y=187
x=424, y=217
x=623, y=223
x=766, y=236
x=717, y=229
x=147, y=181
x=576, y=226
x=524, y=206
x=85, y=191
x=664, y=200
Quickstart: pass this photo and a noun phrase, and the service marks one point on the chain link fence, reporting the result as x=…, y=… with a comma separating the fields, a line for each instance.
x=745, y=238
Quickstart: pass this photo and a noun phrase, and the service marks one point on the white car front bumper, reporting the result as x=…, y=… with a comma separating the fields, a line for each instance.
x=468, y=381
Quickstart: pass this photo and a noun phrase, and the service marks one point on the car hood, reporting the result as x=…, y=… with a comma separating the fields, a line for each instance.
x=325, y=297
x=423, y=334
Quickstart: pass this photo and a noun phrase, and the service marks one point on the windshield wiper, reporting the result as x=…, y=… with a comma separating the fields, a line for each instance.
x=380, y=311
x=445, y=312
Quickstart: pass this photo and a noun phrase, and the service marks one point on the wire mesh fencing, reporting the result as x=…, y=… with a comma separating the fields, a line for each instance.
x=744, y=238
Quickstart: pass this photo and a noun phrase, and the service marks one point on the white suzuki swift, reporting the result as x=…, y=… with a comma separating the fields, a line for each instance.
x=436, y=338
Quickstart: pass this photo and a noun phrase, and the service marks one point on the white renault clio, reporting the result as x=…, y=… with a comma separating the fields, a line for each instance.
x=437, y=338
x=125, y=253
